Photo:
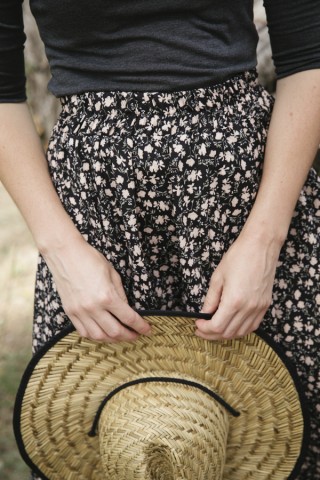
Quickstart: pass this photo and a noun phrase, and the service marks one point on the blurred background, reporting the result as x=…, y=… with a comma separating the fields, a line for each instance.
x=18, y=256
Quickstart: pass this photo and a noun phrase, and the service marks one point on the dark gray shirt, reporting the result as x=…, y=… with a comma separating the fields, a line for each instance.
x=153, y=45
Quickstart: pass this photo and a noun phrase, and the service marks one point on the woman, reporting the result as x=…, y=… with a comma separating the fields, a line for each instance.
x=160, y=188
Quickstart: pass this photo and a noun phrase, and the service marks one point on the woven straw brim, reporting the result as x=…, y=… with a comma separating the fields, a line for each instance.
x=62, y=391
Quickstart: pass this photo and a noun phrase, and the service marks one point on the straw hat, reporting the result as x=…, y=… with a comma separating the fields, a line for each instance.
x=171, y=406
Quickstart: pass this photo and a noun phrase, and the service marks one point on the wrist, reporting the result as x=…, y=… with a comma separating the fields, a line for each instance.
x=265, y=233
x=57, y=242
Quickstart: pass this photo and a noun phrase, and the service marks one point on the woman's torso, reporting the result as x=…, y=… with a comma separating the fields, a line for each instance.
x=145, y=45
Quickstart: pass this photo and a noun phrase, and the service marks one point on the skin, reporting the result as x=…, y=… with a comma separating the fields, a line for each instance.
x=241, y=286
x=91, y=289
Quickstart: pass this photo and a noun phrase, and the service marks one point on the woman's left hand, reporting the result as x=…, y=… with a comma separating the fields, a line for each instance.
x=240, y=289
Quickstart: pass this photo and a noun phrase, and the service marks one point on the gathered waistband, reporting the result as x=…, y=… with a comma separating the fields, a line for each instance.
x=197, y=98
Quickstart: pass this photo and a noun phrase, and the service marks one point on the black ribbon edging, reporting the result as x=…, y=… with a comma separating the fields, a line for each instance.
x=304, y=402
x=93, y=431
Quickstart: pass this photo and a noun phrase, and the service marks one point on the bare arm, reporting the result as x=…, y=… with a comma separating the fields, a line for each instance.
x=293, y=139
x=241, y=287
x=24, y=173
x=91, y=290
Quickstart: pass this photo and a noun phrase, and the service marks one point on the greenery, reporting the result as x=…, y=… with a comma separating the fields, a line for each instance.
x=11, y=465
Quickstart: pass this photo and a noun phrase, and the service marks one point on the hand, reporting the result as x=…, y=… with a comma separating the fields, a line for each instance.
x=240, y=289
x=92, y=294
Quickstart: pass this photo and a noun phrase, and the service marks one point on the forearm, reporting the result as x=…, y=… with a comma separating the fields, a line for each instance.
x=24, y=173
x=90, y=290
x=293, y=139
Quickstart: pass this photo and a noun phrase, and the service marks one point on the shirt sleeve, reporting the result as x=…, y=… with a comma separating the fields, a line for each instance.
x=294, y=28
x=12, y=38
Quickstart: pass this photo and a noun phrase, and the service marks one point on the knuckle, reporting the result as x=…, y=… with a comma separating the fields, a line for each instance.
x=236, y=303
x=252, y=305
x=88, y=305
x=108, y=297
x=98, y=336
x=114, y=332
x=219, y=328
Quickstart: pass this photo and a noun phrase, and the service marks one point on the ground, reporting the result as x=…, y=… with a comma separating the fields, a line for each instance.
x=18, y=257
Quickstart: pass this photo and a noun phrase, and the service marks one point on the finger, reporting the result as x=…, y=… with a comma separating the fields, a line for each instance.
x=96, y=333
x=207, y=336
x=239, y=324
x=114, y=329
x=78, y=326
x=219, y=322
x=88, y=328
x=243, y=322
x=213, y=296
x=126, y=315
x=252, y=327
x=233, y=331
x=238, y=328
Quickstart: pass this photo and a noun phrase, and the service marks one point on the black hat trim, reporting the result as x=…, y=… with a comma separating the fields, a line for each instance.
x=182, y=381
x=70, y=328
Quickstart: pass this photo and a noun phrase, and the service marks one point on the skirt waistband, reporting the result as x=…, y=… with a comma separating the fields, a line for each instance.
x=198, y=98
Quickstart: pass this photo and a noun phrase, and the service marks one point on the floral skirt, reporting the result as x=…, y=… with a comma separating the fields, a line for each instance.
x=161, y=183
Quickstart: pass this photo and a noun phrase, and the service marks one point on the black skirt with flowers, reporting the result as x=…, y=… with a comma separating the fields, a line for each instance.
x=161, y=183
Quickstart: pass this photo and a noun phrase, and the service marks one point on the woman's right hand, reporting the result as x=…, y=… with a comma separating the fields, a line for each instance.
x=92, y=293
x=90, y=288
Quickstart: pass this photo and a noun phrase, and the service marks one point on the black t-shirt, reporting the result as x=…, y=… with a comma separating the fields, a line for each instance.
x=153, y=45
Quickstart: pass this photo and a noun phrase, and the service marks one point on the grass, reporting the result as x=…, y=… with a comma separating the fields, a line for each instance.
x=11, y=465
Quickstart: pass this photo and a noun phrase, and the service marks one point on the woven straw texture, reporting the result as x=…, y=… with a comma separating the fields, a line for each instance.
x=158, y=430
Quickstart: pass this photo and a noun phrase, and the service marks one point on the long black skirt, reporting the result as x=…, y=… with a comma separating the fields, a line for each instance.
x=161, y=183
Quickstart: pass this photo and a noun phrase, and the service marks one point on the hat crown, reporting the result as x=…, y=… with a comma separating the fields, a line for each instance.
x=159, y=430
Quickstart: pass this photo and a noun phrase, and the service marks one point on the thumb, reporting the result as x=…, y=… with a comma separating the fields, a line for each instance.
x=212, y=299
